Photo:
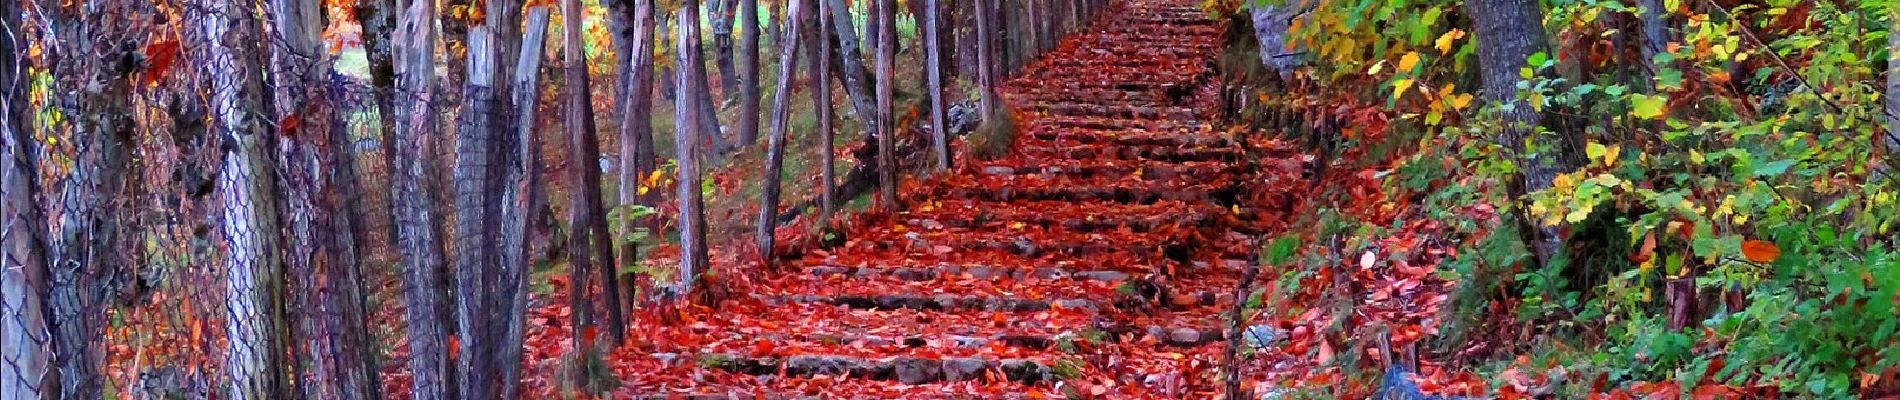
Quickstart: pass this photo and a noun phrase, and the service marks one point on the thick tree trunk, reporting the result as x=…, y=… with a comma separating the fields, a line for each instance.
x=748, y=90
x=1508, y=32
x=775, y=147
x=821, y=100
x=522, y=198
x=323, y=253
x=886, y=121
x=483, y=144
x=933, y=67
x=249, y=213
x=25, y=342
x=701, y=92
x=425, y=286
x=693, y=259
x=89, y=220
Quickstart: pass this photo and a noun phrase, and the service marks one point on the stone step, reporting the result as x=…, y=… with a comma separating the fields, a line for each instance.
x=924, y=273
x=1164, y=154
x=1088, y=136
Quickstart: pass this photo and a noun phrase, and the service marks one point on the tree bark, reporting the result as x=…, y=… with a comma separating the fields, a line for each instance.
x=693, y=258
x=425, y=286
x=1508, y=33
x=748, y=58
x=249, y=213
x=378, y=21
x=821, y=100
x=775, y=147
x=25, y=340
x=720, y=18
x=933, y=67
x=886, y=122
x=985, y=59
x=855, y=79
x=482, y=147
x=701, y=92
x=1892, y=156
x=588, y=216
x=636, y=119
x=523, y=198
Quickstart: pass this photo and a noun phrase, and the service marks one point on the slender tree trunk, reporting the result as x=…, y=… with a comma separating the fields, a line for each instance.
x=775, y=150
x=693, y=259
x=1892, y=156
x=985, y=59
x=1508, y=32
x=636, y=126
x=424, y=284
x=253, y=273
x=886, y=121
x=855, y=79
x=701, y=91
x=933, y=67
x=378, y=21
x=821, y=100
x=720, y=18
x=522, y=200
x=25, y=336
x=587, y=215
x=748, y=59
x=1655, y=39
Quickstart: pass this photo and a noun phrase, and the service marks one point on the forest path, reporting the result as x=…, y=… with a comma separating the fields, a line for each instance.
x=1097, y=259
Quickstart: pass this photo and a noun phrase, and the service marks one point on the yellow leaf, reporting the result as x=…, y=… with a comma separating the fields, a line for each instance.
x=1376, y=67
x=1444, y=41
x=1408, y=61
x=1399, y=87
x=1461, y=101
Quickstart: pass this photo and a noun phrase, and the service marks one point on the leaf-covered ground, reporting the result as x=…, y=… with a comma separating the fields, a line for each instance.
x=1096, y=260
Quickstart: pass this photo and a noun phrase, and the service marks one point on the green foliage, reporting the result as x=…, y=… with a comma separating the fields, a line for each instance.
x=992, y=139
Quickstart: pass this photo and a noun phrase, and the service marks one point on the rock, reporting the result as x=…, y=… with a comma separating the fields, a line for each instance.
x=826, y=270
x=917, y=371
x=964, y=369
x=998, y=170
x=821, y=364
x=1024, y=371
x=969, y=341
x=1107, y=276
x=1261, y=336
x=1184, y=336
x=1075, y=304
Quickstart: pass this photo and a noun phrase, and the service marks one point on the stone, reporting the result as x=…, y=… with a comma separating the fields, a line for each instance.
x=821, y=364
x=998, y=170
x=917, y=371
x=1107, y=276
x=1185, y=336
x=964, y=369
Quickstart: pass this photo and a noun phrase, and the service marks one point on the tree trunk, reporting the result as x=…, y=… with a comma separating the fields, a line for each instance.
x=1892, y=156
x=378, y=21
x=588, y=216
x=933, y=67
x=985, y=59
x=821, y=100
x=425, y=287
x=853, y=76
x=636, y=119
x=701, y=92
x=886, y=121
x=720, y=18
x=693, y=259
x=748, y=90
x=25, y=343
x=775, y=147
x=1509, y=32
x=1655, y=39
x=90, y=224
x=483, y=144
x=522, y=201
x=249, y=213
x=322, y=256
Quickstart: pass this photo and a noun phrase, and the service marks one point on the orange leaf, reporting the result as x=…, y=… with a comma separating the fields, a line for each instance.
x=1760, y=251
x=159, y=57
